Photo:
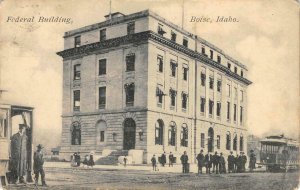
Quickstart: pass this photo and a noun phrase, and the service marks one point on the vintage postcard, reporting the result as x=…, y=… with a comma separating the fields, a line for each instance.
x=149, y=94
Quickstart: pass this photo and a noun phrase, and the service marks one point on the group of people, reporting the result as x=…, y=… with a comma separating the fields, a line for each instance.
x=88, y=160
x=18, y=158
x=212, y=163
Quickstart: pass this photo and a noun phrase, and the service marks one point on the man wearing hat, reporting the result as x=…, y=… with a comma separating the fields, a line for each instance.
x=18, y=155
x=200, y=158
x=38, y=162
x=231, y=160
x=252, y=160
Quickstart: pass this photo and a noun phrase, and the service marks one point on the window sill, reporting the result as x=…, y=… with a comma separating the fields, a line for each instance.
x=159, y=105
x=184, y=110
x=202, y=113
x=172, y=107
x=228, y=120
x=210, y=116
x=129, y=104
x=218, y=118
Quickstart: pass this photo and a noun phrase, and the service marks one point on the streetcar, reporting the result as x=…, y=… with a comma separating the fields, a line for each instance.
x=279, y=153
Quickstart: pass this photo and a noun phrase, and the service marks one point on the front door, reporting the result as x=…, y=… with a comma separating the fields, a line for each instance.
x=129, y=134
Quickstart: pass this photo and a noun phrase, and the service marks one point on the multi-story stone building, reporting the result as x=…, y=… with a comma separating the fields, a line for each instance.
x=140, y=82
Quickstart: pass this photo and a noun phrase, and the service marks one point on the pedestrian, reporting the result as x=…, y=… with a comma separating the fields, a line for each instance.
x=86, y=161
x=171, y=159
x=230, y=161
x=163, y=159
x=184, y=161
x=239, y=163
x=38, y=162
x=215, y=162
x=207, y=160
x=125, y=161
x=222, y=168
x=153, y=161
x=252, y=161
x=244, y=161
x=200, y=158
x=18, y=157
x=78, y=159
x=236, y=164
x=91, y=161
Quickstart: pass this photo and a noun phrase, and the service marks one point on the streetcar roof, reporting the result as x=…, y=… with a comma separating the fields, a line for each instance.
x=282, y=141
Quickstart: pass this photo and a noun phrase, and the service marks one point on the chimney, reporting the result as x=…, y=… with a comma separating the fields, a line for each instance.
x=113, y=15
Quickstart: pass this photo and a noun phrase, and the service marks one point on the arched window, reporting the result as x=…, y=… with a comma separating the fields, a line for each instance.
x=241, y=143
x=184, y=135
x=101, y=131
x=235, y=142
x=210, y=144
x=159, y=125
x=172, y=134
x=76, y=133
x=228, y=141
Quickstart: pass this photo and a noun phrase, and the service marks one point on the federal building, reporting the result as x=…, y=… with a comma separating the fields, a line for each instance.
x=139, y=85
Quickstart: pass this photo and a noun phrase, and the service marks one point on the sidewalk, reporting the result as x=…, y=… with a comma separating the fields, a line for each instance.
x=175, y=169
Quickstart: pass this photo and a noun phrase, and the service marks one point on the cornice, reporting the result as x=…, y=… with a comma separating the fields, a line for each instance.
x=144, y=37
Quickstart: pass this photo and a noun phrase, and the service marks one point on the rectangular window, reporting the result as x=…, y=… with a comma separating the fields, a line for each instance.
x=235, y=69
x=173, y=36
x=242, y=95
x=211, y=107
x=77, y=72
x=159, y=95
x=234, y=112
x=219, y=85
x=130, y=28
x=218, y=141
x=219, y=59
x=203, y=50
x=185, y=73
x=211, y=54
x=173, y=97
x=228, y=65
x=102, y=97
x=130, y=59
x=241, y=115
x=160, y=63
x=218, y=108
x=184, y=100
x=160, y=30
x=172, y=136
x=203, y=78
x=211, y=82
x=228, y=110
x=185, y=42
x=173, y=68
x=202, y=105
x=242, y=73
x=102, y=67
x=102, y=35
x=77, y=41
x=235, y=93
x=3, y=123
x=129, y=90
x=228, y=90
x=76, y=100
x=202, y=143
x=102, y=136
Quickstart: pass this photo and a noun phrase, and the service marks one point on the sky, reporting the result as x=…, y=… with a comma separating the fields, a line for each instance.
x=266, y=40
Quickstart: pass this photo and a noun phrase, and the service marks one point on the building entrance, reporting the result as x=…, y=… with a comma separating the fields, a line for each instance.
x=129, y=134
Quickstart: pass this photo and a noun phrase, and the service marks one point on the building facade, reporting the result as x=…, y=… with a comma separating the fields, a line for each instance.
x=139, y=82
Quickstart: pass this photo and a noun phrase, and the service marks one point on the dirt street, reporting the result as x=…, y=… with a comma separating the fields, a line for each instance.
x=79, y=178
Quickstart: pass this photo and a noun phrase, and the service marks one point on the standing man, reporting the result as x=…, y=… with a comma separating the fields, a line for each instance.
x=18, y=159
x=200, y=158
x=125, y=161
x=222, y=168
x=38, y=162
x=171, y=159
x=252, y=161
x=230, y=161
x=163, y=159
x=236, y=164
x=244, y=161
x=153, y=161
x=207, y=161
x=215, y=161
x=184, y=160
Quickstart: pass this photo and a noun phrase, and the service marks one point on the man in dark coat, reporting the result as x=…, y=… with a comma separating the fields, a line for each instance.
x=215, y=161
x=236, y=164
x=38, y=162
x=243, y=161
x=78, y=159
x=184, y=160
x=252, y=161
x=18, y=159
x=171, y=159
x=163, y=159
x=222, y=168
x=153, y=161
x=239, y=163
x=230, y=161
x=200, y=158
x=208, y=161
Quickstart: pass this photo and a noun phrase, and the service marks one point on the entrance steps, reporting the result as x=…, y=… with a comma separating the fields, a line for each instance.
x=111, y=158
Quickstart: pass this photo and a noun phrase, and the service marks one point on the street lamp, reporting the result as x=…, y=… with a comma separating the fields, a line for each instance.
x=140, y=131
